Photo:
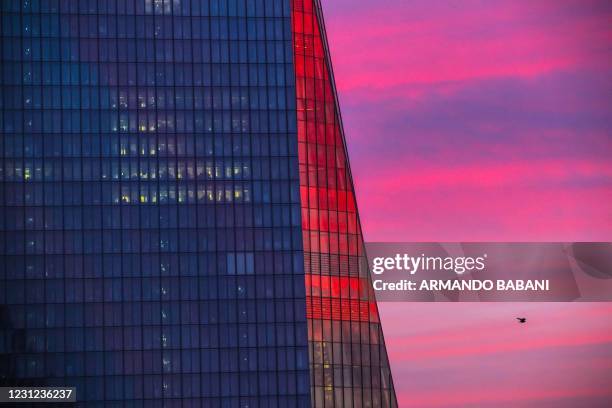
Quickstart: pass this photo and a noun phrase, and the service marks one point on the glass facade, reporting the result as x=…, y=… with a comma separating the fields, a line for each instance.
x=151, y=237
x=348, y=359
x=176, y=227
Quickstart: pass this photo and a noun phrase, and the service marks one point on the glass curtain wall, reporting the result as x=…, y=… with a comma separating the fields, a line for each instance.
x=348, y=359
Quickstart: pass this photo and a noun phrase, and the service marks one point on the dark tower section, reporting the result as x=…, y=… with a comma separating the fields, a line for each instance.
x=150, y=222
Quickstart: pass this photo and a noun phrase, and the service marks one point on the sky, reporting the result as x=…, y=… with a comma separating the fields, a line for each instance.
x=492, y=121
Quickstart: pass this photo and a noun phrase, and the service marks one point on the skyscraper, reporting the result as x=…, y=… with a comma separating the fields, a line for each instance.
x=348, y=359
x=179, y=225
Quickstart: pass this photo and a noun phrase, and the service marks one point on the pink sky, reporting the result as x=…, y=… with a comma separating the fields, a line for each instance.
x=479, y=120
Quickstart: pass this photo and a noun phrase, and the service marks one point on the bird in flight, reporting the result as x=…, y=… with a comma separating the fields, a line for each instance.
x=522, y=319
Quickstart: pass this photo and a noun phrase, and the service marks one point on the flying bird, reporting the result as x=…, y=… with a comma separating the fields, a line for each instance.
x=522, y=319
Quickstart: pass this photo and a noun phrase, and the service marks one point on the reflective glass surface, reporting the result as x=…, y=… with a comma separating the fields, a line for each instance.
x=348, y=359
x=178, y=223
x=150, y=229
